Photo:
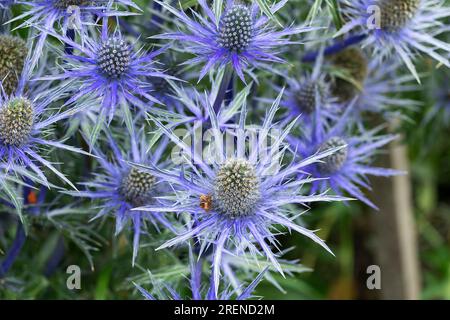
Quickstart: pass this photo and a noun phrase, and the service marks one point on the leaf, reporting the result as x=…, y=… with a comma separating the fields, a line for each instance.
x=264, y=6
x=13, y=196
x=227, y=113
x=82, y=235
x=336, y=13
x=188, y=4
x=96, y=130
x=314, y=11
x=217, y=9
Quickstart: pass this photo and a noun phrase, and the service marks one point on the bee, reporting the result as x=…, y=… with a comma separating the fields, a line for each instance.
x=206, y=202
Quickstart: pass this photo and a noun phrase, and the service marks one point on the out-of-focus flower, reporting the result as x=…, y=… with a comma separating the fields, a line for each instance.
x=311, y=94
x=121, y=187
x=347, y=169
x=403, y=27
x=238, y=199
x=375, y=86
x=240, y=36
x=13, y=52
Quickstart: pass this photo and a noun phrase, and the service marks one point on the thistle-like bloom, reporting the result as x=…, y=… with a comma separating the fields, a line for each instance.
x=61, y=15
x=13, y=51
x=404, y=27
x=240, y=37
x=347, y=169
x=121, y=187
x=237, y=197
x=23, y=134
x=108, y=71
x=376, y=87
x=310, y=94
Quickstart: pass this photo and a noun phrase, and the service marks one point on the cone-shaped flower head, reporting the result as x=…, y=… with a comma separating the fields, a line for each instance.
x=403, y=27
x=13, y=52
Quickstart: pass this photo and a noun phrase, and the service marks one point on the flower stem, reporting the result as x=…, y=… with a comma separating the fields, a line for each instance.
x=335, y=48
x=70, y=33
x=19, y=239
x=336, y=13
x=156, y=21
x=14, y=251
x=55, y=258
x=224, y=86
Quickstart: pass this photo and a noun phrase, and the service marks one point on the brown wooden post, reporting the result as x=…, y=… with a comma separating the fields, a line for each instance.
x=395, y=245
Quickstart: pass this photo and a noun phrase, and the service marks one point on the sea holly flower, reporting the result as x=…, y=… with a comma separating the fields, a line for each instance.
x=236, y=198
x=13, y=52
x=108, y=72
x=24, y=131
x=64, y=15
x=375, y=87
x=403, y=27
x=346, y=170
x=310, y=94
x=121, y=187
x=240, y=37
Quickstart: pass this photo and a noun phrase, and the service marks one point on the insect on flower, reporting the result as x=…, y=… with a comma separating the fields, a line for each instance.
x=206, y=202
x=251, y=195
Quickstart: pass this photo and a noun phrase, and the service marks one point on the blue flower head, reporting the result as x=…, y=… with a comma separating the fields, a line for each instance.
x=236, y=198
x=240, y=36
x=121, y=187
x=25, y=127
x=109, y=72
x=62, y=15
x=13, y=52
x=309, y=94
x=403, y=27
x=346, y=170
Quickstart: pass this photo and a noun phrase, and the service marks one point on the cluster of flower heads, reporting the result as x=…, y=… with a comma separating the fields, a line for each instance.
x=197, y=157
